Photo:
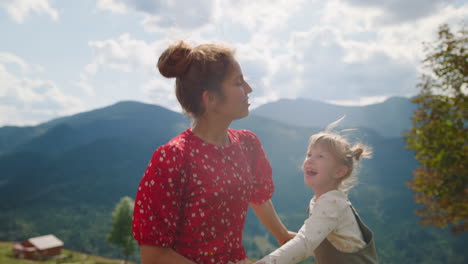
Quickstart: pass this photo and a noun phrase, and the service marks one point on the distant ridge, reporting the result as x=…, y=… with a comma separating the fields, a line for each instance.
x=115, y=120
x=389, y=118
x=119, y=110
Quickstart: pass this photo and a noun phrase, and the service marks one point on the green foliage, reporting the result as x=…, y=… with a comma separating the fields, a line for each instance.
x=439, y=136
x=121, y=230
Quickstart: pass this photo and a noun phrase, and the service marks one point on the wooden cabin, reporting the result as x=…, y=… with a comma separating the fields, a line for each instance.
x=38, y=248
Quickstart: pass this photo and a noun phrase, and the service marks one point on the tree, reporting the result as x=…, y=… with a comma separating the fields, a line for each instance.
x=439, y=134
x=120, y=234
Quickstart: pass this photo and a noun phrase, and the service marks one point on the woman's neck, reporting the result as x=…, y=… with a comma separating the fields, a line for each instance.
x=212, y=131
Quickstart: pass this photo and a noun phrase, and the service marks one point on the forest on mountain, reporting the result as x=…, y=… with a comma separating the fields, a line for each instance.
x=66, y=175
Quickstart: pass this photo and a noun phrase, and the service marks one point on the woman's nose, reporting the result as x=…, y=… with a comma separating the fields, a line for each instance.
x=247, y=88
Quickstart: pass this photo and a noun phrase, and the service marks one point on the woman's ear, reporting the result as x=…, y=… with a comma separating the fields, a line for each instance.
x=208, y=100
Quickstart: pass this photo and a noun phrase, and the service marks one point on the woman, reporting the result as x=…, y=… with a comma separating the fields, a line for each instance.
x=192, y=201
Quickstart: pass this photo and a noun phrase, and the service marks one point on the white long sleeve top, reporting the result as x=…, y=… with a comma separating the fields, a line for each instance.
x=330, y=217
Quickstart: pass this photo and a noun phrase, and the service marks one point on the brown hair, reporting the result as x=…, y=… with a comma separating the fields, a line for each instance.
x=196, y=69
x=344, y=154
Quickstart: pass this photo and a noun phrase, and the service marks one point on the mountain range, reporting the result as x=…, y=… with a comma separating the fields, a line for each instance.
x=66, y=175
x=389, y=118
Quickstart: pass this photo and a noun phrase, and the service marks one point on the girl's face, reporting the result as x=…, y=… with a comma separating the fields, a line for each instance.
x=322, y=171
x=234, y=104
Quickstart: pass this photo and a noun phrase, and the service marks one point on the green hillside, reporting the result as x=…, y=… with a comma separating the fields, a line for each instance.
x=67, y=179
x=67, y=256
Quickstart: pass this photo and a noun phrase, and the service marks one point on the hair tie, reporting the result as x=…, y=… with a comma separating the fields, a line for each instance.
x=357, y=153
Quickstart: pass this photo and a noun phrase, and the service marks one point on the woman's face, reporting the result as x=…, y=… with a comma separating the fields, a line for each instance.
x=234, y=104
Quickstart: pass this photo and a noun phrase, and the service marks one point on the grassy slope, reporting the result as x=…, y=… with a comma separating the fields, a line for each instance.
x=67, y=256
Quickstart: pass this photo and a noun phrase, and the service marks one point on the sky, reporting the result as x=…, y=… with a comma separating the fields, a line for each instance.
x=59, y=58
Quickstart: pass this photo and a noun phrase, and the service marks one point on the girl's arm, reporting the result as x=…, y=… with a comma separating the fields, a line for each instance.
x=161, y=255
x=323, y=219
x=268, y=216
x=294, y=251
x=298, y=248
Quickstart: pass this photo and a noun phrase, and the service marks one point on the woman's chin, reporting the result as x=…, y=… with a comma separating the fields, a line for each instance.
x=242, y=115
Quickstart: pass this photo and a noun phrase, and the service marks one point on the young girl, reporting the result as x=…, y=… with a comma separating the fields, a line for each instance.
x=333, y=233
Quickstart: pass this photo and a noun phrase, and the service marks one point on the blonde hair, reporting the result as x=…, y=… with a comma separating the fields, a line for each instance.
x=344, y=153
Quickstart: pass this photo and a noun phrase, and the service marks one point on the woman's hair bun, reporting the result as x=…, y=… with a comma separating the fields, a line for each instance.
x=175, y=60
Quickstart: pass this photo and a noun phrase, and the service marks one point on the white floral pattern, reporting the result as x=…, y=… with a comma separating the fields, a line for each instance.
x=194, y=196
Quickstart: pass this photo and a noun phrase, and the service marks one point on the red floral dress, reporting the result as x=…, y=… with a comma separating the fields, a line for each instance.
x=194, y=196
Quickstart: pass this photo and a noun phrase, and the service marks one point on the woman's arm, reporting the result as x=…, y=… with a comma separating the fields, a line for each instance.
x=268, y=216
x=161, y=255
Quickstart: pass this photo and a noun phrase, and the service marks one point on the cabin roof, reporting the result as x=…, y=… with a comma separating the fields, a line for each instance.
x=45, y=242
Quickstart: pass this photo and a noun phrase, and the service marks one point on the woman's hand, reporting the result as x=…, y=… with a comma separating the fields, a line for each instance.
x=267, y=215
x=284, y=239
x=244, y=261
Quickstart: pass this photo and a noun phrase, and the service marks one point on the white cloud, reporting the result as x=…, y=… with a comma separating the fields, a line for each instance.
x=348, y=19
x=359, y=32
x=163, y=14
x=124, y=54
x=359, y=101
x=347, y=57
x=257, y=16
x=161, y=91
x=405, y=41
x=397, y=11
x=6, y=58
x=91, y=68
x=259, y=19
x=133, y=57
x=343, y=51
x=112, y=5
x=318, y=66
x=337, y=50
x=85, y=85
x=28, y=101
x=19, y=10
x=259, y=32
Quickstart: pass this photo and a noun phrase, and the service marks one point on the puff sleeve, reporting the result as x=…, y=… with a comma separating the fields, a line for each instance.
x=262, y=181
x=159, y=202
